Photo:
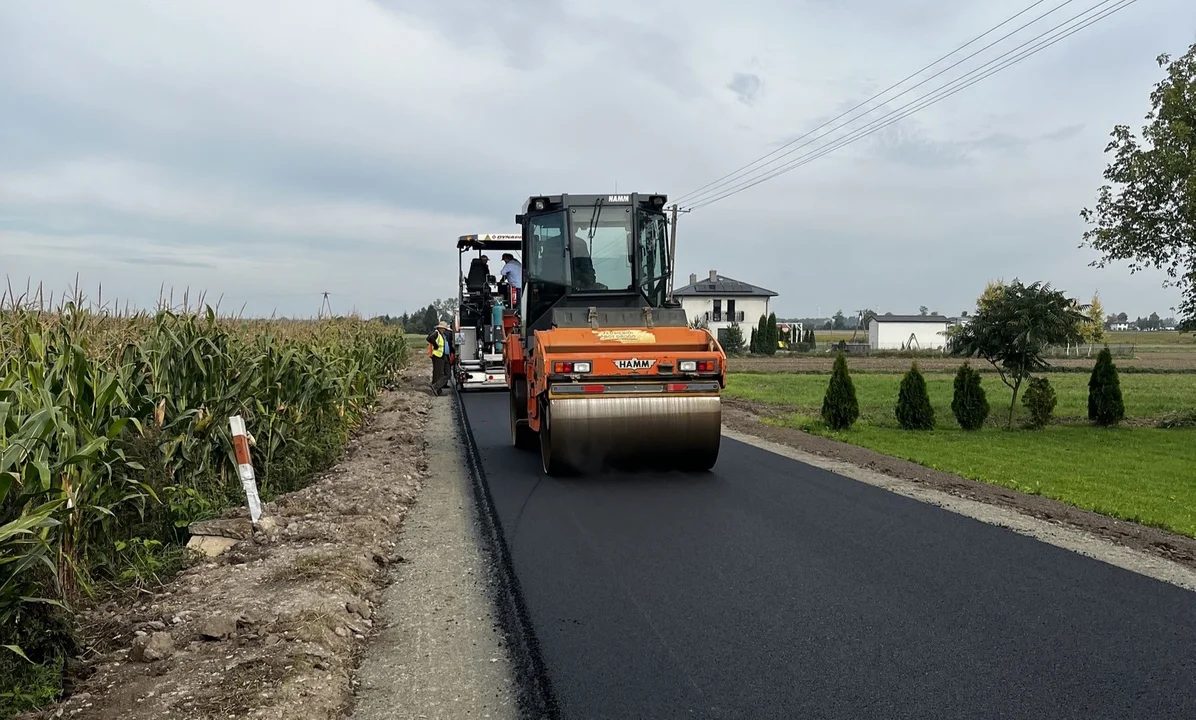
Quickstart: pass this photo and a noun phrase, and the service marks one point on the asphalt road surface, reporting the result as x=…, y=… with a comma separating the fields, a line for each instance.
x=772, y=589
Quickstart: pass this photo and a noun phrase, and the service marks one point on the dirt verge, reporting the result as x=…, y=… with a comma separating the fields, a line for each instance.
x=746, y=417
x=274, y=626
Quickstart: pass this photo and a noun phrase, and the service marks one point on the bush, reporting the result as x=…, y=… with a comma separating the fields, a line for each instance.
x=1040, y=400
x=840, y=409
x=913, y=410
x=1105, y=405
x=754, y=346
x=969, y=404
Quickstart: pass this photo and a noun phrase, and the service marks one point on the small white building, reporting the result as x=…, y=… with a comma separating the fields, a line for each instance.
x=908, y=332
x=719, y=301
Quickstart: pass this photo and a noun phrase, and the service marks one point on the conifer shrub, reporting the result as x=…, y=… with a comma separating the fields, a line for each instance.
x=840, y=408
x=969, y=404
x=1105, y=404
x=1040, y=400
x=913, y=410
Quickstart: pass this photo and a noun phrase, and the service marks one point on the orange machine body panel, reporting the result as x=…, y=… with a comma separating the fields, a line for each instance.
x=614, y=355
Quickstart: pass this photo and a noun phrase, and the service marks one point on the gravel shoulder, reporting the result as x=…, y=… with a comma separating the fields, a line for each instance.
x=275, y=626
x=439, y=652
x=1150, y=551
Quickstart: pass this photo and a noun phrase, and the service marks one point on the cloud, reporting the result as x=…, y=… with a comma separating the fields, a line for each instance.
x=745, y=86
x=1066, y=132
x=269, y=151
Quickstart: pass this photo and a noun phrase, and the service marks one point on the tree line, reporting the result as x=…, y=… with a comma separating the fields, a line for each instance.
x=425, y=319
x=1152, y=322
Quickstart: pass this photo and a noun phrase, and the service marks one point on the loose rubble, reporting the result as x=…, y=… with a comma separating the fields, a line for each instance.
x=267, y=622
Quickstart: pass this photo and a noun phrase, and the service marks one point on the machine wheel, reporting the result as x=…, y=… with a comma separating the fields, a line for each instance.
x=550, y=458
x=522, y=436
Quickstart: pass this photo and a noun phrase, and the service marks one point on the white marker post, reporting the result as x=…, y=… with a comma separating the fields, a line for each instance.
x=245, y=467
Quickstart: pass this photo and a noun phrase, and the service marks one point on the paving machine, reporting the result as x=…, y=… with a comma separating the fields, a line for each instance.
x=478, y=327
x=602, y=365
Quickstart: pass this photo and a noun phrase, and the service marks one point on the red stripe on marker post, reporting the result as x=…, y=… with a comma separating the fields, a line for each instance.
x=245, y=466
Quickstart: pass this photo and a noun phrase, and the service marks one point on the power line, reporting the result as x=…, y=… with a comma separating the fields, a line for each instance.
x=1008, y=20
x=921, y=103
x=710, y=193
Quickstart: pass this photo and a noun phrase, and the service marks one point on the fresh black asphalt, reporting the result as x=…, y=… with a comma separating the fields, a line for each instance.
x=773, y=589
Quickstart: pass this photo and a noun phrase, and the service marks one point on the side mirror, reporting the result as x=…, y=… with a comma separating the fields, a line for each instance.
x=519, y=219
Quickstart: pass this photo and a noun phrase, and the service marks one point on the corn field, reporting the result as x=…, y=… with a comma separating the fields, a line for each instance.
x=114, y=437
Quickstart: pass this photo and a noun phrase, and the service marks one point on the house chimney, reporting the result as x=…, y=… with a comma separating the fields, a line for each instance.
x=713, y=275
x=693, y=279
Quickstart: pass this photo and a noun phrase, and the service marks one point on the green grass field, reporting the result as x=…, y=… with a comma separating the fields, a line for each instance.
x=1135, y=337
x=1136, y=472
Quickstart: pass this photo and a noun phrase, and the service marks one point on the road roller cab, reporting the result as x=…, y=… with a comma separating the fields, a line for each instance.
x=602, y=366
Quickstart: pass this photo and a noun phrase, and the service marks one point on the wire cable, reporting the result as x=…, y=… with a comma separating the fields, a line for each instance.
x=1008, y=20
x=711, y=193
x=918, y=104
x=921, y=103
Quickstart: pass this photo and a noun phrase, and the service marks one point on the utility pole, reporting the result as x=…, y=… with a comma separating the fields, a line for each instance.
x=672, y=250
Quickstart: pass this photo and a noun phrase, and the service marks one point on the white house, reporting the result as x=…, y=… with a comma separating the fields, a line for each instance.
x=908, y=332
x=719, y=301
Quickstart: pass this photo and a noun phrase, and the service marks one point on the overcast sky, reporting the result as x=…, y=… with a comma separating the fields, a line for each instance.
x=269, y=151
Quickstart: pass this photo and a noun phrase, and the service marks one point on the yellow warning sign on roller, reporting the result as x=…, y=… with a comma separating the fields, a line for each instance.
x=625, y=336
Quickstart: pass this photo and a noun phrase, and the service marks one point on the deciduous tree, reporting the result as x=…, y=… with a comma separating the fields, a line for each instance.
x=992, y=293
x=1150, y=220
x=1094, y=330
x=1012, y=330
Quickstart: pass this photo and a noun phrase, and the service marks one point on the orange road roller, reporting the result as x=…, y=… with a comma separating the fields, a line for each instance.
x=602, y=365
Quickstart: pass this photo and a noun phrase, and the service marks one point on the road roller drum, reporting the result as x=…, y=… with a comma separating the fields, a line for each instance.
x=667, y=430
